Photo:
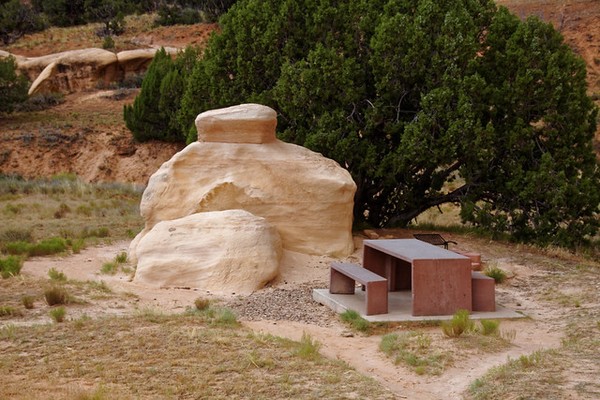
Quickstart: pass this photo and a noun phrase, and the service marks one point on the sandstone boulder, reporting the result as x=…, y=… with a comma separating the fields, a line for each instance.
x=251, y=123
x=223, y=252
x=305, y=196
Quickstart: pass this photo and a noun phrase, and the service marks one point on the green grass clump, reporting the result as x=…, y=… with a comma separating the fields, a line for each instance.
x=44, y=247
x=121, y=258
x=27, y=301
x=55, y=295
x=498, y=274
x=489, y=327
x=58, y=314
x=355, y=321
x=8, y=311
x=415, y=350
x=308, y=348
x=109, y=268
x=10, y=266
x=56, y=275
x=459, y=324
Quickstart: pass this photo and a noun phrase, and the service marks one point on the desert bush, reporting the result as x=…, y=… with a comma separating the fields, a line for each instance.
x=121, y=258
x=76, y=245
x=489, y=326
x=63, y=210
x=55, y=295
x=58, y=314
x=201, y=304
x=10, y=266
x=47, y=247
x=308, y=348
x=16, y=19
x=109, y=268
x=459, y=324
x=108, y=43
x=495, y=272
x=224, y=317
x=175, y=14
x=355, y=321
x=16, y=235
x=56, y=275
x=41, y=101
x=28, y=301
x=414, y=349
x=7, y=311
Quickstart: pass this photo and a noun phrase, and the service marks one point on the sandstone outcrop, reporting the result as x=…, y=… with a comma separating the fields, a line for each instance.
x=307, y=198
x=76, y=70
x=222, y=252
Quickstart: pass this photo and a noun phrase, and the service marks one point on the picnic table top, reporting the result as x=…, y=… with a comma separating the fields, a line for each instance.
x=412, y=249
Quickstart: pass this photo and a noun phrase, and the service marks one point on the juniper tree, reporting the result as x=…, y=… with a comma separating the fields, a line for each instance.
x=424, y=102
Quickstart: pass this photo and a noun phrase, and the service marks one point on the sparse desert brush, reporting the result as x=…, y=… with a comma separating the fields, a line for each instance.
x=489, y=327
x=308, y=347
x=56, y=295
x=355, y=321
x=10, y=266
x=8, y=311
x=16, y=235
x=495, y=272
x=415, y=349
x=28, y=301
x=77, y=245
x=121, y=258
x=459, y=324
x=109, y=268
x=201, y=303
x=58, y=314
x=56, y=275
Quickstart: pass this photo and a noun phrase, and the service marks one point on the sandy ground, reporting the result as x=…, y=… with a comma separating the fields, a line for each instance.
x=337, y=342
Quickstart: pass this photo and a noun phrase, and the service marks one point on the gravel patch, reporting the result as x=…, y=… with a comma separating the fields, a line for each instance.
x=277, y=304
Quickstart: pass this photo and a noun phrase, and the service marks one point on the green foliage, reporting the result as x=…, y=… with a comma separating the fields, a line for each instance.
x=110, y=12
x=40, y=101
x=7, y=311
x=424, y=102
x=459, y=324
x=16, y=19
x=308, y=348
x=489, y=327
x=63, y=12
x=175, y=14
x=108, y=42
x=58, y=314
x=56, y=275
x=153, y=113
x=495, y=272
x=355, y=321
x=13, y=87
x=121, y=258
x=109, y=268
x=414, y=349
x=10, y=266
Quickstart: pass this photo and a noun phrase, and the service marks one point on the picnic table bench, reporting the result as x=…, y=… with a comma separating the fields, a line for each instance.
x=343, y=278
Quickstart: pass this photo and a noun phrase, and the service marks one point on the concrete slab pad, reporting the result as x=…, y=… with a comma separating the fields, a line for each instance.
x=399, y=306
